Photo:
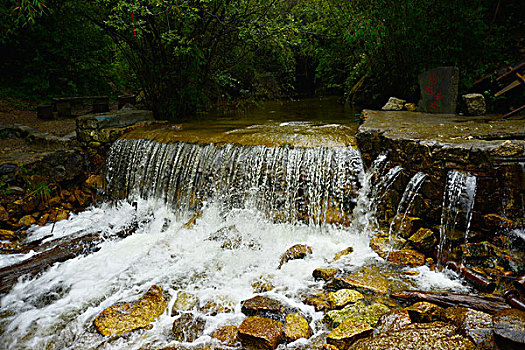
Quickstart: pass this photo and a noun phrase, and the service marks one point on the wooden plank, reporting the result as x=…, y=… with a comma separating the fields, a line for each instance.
x=79, y=98
x=511, y=71
x=511, y=113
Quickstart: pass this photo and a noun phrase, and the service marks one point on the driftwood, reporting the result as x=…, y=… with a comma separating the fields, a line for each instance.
x=490, y=305
x=53, y=252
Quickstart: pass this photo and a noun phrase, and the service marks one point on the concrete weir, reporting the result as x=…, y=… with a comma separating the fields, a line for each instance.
x=489, y=148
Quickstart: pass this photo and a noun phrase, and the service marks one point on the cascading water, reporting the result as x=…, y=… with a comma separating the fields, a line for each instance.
x=311, y=184
x=234, y=187
x=458, y=201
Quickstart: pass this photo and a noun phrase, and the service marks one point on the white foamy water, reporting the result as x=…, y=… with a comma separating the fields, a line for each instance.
x=56, y=310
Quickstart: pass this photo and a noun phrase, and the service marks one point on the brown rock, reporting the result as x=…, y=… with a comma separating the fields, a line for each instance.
x=343, y=252
x=262, y=305
x=58, y=214
x=263, y=284
x=296, y=327
x=510, y=324
x=43, y=220
x=260, y=333
x=327, y=347
x=476, y=325
x=27, y=220
x=184, y=302
x=406, y=257
x=495, y=223
x=187, y=327
x=367, y=280
x=347, y=332
x=324, y=274
x=393, y=321
x=220, y=305
x=425, y=312
x=95, y=182
x=55, y=202
x=4, y=215
x=343, y=297
x=122, y=318
x=298, y=251
x=424, y=239
x=83, y=199
x=319, y=302
x=7, y=235
x=226, y=335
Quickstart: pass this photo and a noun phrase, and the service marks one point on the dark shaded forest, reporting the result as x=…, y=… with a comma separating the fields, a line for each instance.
x=186, y=56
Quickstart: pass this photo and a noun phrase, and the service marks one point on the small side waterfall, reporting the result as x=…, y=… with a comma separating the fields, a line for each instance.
x=458, y=200
x=313, y=185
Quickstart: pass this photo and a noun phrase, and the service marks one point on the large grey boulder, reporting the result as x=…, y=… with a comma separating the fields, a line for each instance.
x=394, y=104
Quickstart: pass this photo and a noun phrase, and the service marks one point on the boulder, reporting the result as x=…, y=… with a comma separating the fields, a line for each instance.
x=188, y=327
x=342, y=253
x=298, y=251
x=411, y=107
x=296, y=327
x=425, y=312
x=324, y=274
x=359, y=312
x=394, y=104
x=260, y=333
x=368, y=280
x=475, y=104
x=263, y=306
x=509, y=324
x=406, y=257
x=227, y=335
x=319, y=302
x=27, y=220
x=477, y=325
x=343, y=297
x=418, y=336
x=347, y=332
x=123, y=318
x=424, y=239
x=184, y=302
x=393, y=321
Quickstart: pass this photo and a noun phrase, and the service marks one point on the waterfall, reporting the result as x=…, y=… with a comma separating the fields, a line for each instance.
x=289, y=184
x=458, y=200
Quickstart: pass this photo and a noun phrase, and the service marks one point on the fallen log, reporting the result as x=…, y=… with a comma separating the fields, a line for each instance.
x=60, y=251
x=490, y=305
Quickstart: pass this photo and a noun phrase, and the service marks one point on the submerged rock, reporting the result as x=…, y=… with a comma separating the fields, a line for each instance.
x=342, y=253
x=184, y=302
x=260, y=333
x=227, y=335
x=188, y=327
x=263, y=284
x=347, y=332
x=406, y=257
x=296, y=327
x=419, y=336
x=125, y=317
x=359, y=312
x=298, y=251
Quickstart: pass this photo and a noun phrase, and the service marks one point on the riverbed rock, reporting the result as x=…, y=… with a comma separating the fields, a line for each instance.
x=394, y=104
x=184, y=302
x=424, y=239
x=27, y=220
x=418, y=336
x=347, y=332
x=219, y=305
x=7, y=235
x=188, y=327
x=227, y=335
x=327, y=347
x=229, y=237
x=367, y=280
x=496, y=223
x=298, y=251
x=4, y=215
x=95, y=182
x=342, y=253
x=343, y=297
x=319, y=302
x=475, y=104
x=324, y=274
x=359, y=312
x=393, y=321
x=123, y=318
x=406, y=257
x=510, y=325
x=423, y=311
x=411, y=107
x=263, y=284
x=260, y=333
x=296, y=327
x=476, y=325
x=263, y=306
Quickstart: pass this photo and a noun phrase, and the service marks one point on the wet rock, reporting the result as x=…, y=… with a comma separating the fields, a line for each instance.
x=122, y=318
x=475, y=104
x=393, y=321
x=58, y=214
x=327, y=347
x=406, y=257
x=27, y=220
x=7, y=235
x=476, y=325
x=359, y=312
x=343, y=297
x=382, y=245
x=510, y=325
x=496, y=223
x=298, y=251
x=347, y=332
x=479, y=250
x=83, y=199
x=263, y=284
x=324, y=274
x=219, y=305
x=260, y=333
x=424, y=239
x=54, y=202
x=4, y=215
x=43, y=220
x=229, y=237
x=227, y=335
x=263, y=306
x=408, y=226
x=319, y=302
x=365, y=281
x=419, y=336
x=296, y=327
x=411, y=107
x=188, y=327
x=184, y=302
x=342, y=253
x=394, y=104
x=425, y=312
x=95, y=182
